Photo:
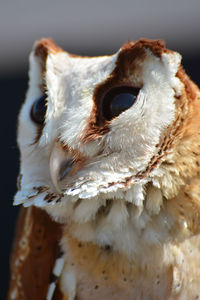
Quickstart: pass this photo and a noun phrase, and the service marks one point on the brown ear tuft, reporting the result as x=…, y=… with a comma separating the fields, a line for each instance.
x=43, y=47
x=157, y=47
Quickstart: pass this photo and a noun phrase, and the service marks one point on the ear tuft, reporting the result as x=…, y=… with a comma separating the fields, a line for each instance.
x=44, y=47
x=157, y=47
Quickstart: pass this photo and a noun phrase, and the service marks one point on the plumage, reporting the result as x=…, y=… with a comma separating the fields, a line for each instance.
x=110, y=170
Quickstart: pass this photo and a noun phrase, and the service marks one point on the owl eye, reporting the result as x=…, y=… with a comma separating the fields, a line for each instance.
x=38, y=110
x=118, y=100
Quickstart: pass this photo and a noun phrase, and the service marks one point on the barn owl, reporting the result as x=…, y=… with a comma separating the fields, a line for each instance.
x=109, y=177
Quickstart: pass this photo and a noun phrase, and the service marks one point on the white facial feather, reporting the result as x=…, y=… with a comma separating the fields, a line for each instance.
x=112, y=160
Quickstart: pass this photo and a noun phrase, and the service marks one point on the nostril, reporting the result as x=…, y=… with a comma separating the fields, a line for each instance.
x=66, y=168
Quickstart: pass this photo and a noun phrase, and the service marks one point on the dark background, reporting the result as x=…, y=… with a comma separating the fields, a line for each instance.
x=82, y=27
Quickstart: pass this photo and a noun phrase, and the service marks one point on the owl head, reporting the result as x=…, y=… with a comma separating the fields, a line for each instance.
x=95, y=129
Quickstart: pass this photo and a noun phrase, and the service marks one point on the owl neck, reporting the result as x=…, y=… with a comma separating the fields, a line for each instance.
x=134, y=231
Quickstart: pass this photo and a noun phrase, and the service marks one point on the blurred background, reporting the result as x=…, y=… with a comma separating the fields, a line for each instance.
x=86, y=27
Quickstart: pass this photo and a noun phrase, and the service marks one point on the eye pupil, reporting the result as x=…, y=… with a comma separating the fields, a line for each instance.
x=121, y=103
x=38, y=110
x=118, y=100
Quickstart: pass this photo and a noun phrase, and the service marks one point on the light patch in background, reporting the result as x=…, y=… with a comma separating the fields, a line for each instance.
x=94, y=27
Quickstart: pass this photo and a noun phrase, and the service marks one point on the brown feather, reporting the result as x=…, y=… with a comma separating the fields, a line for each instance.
x=34, y=252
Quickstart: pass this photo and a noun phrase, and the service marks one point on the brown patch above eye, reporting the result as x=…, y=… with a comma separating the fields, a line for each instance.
x=128, y=58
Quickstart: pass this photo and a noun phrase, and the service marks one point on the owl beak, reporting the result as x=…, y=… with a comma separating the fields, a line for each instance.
x=60, y=165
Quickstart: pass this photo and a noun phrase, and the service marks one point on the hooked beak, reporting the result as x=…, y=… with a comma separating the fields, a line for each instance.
x=63, y=163
x=60, y=165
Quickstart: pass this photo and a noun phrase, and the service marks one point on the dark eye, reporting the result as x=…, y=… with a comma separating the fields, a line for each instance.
x=38, y=110
x=118, y=100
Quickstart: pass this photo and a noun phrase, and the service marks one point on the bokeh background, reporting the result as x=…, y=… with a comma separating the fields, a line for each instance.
x=85, y=27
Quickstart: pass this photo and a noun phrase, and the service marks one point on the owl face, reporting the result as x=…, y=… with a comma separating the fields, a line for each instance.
x=96, y=128
x=110, y=148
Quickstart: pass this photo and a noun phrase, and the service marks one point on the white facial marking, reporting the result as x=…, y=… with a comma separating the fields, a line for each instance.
x=106, y=168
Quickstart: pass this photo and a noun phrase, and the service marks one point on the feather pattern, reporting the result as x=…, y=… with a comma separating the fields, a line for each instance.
x=113, y=183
